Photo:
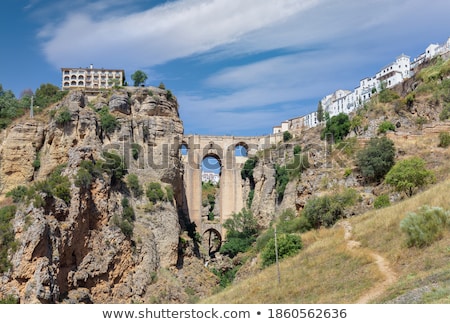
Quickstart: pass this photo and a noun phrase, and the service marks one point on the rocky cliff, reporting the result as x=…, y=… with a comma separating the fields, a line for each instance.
x=72, y=246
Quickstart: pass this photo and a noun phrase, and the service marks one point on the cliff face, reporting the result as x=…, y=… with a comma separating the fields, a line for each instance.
x=73, y=250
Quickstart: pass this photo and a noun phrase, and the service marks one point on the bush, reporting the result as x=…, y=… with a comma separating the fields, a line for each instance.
x=108, y=121
x=322, y=211
x=326, y=210
x=287, y=245
x=169, y=193
x=387, y=95
x=426, y=226
x=83, y=178
x=63, y=117
x=135, y=150
x=134, y=185
x=386, y=126
x=445, y=113
x=408, y=175
x=376, y=159
x=444, y=140
x=7, y=213
x=113, y=165
x=281, y=181
x=247, y=169
x=381, y=201
x=18, y=193
x=287, y=136
x=242, y=230
x=337, y=126
x=154, y=192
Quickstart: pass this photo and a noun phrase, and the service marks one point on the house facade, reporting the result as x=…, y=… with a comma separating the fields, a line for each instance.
x=346, y=101
x=91, y=78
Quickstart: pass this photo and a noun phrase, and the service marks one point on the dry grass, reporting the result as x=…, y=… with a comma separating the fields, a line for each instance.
x=327, y=271
x=380, y=231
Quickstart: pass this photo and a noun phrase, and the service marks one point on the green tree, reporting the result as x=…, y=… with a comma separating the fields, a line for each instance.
x=320, y=115
x=47, y=94
x=287, y=245
x=242, y=230
x=139, y=77
x=408, y=175
x=376, y=159
x=287, y=136
x=337, y=126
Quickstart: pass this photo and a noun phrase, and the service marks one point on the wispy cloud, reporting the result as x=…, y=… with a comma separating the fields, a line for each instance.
x=163, y=33
x=285, y=53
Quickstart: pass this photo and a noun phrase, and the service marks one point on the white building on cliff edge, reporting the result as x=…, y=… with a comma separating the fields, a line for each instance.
x=91, y=78
x=346, y=101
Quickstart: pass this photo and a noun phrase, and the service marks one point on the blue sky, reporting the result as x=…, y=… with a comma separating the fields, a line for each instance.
x=237, y=67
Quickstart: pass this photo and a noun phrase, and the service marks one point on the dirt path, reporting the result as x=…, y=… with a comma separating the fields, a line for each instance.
x=382, y=263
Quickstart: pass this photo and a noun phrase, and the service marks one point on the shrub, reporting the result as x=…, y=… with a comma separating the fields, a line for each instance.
x=381, y=201
x=128, y=211
x=322, y=211
x=135, y=150
x=337, y=127
x=326, y=210
x=386, y=126
x=7, y=213
x=247, y=169
x=426, y=226
x=154, y=192
x=281, y=181
x=387, y=95
x=18, y=193
x=287, y=245
x=63, y=117
x=47, y=94
x=287, y=136
x=445, y=113
x=376, y=159
x=408, y=175
x=169, y=193
x=134, y=185
x=37, y=162
x=83, y=178
x=444, y=140
x=108, y=121
x=242, y=230
x=113, y=165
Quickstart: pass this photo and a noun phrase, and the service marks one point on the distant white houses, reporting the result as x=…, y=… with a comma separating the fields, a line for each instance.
x=91, y=78
x=210, y=177
x=346, y=101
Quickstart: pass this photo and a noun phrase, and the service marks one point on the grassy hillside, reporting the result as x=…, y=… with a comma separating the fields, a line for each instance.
x=331, y=270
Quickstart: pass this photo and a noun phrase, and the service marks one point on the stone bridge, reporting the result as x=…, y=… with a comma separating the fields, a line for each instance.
x=222, y=148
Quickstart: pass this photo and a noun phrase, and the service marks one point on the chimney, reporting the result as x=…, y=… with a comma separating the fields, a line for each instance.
x=91, y=66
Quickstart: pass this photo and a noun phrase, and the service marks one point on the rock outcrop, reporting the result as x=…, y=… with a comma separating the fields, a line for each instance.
x=74, y=250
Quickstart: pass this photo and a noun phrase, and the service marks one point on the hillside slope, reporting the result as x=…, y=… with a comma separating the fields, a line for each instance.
x=375, y=267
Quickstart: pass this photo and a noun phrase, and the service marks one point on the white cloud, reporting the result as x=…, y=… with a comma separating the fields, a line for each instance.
x=301, y=50
x=174, y=30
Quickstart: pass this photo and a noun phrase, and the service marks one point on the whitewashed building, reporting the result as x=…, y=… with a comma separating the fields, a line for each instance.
x=210, y=177
x=91, y=78
x=346, y=101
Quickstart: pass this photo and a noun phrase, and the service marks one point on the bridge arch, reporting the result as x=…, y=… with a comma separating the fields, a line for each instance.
x=212, y=240
x=241, y=149
x=230, y=197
